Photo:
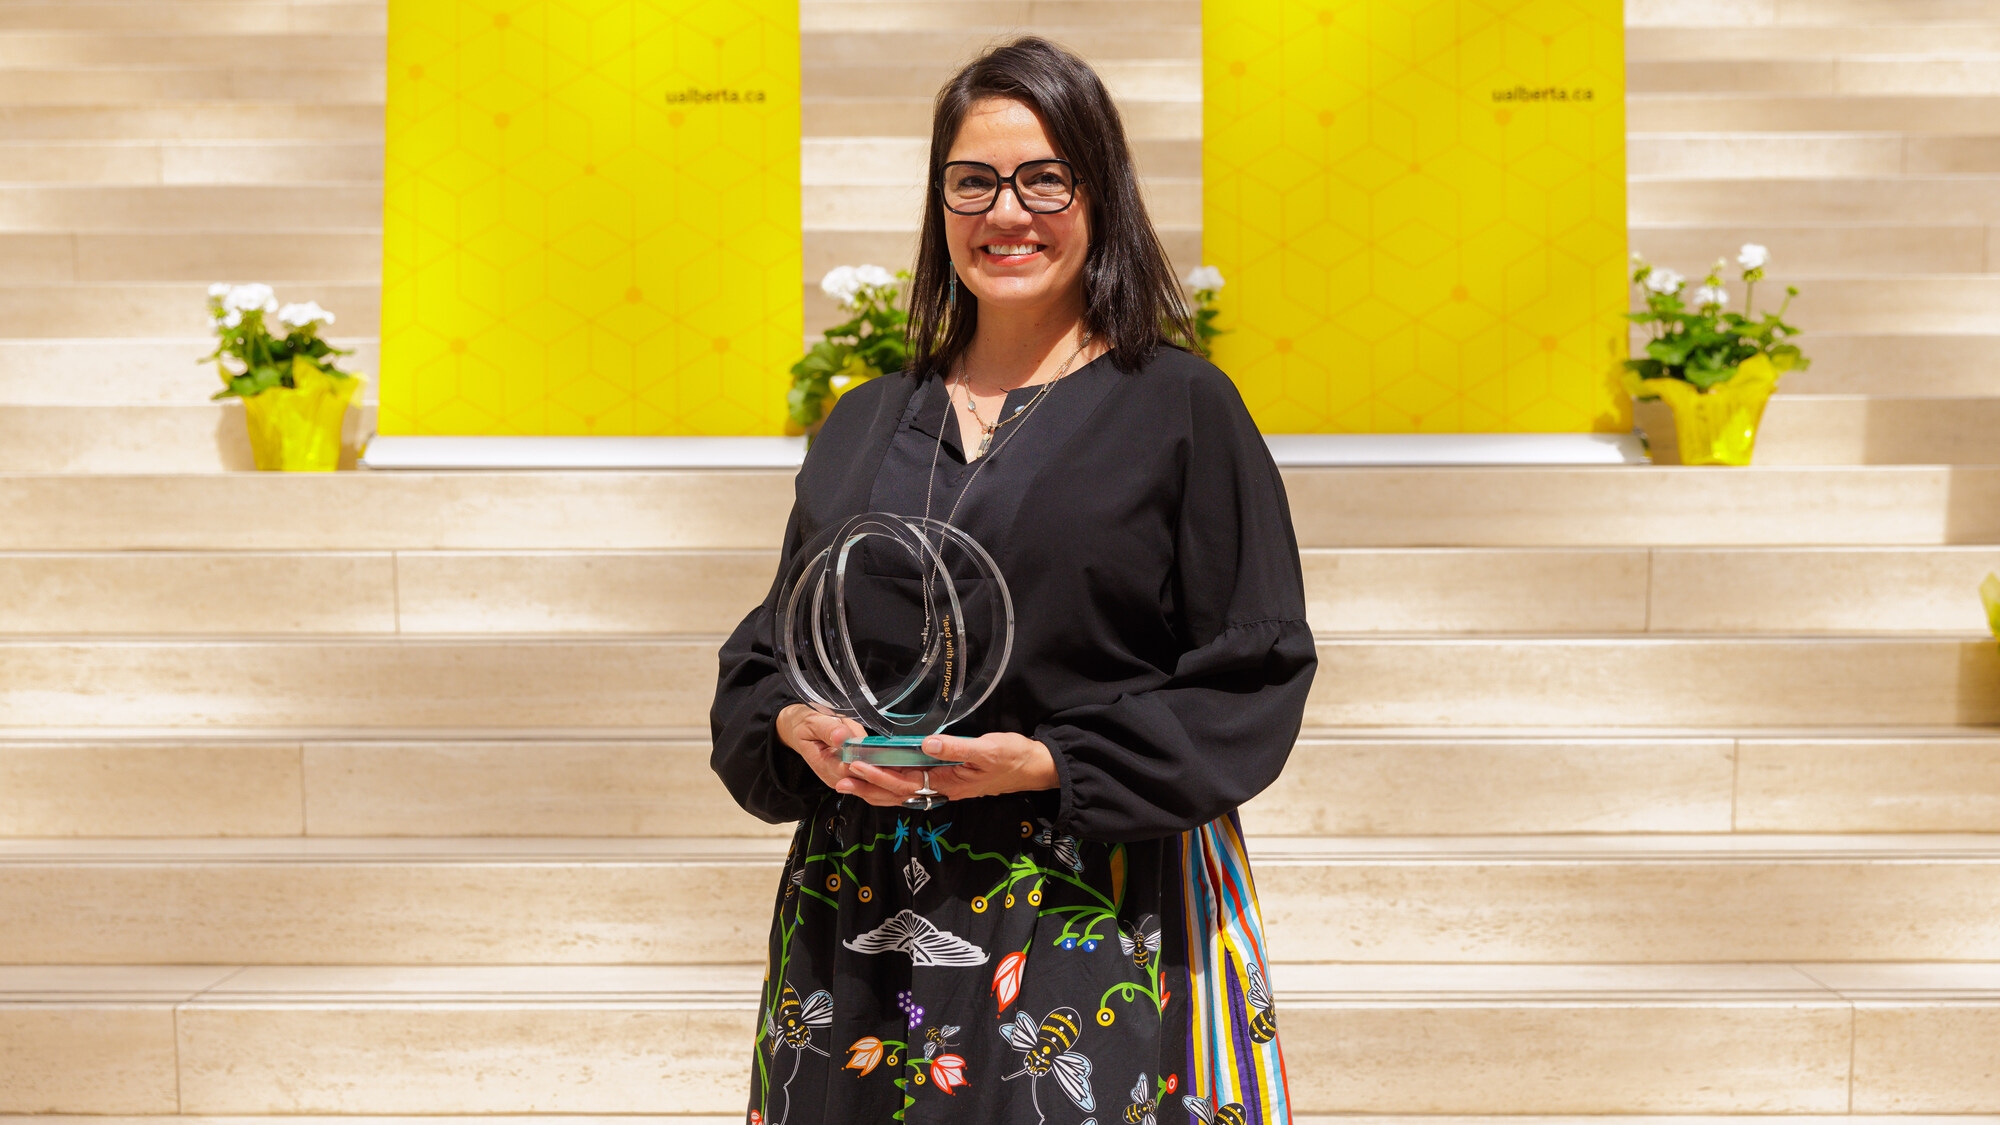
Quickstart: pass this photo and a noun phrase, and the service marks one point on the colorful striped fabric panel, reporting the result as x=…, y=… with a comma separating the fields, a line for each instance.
x=1236, y=1073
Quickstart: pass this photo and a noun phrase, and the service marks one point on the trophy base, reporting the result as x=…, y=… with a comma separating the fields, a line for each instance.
x=891, y=751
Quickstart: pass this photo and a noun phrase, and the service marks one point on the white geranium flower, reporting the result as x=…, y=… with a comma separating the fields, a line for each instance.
x=300, y=315
x=232, y=318
x=219, y=289
x=255, y=296
x=874, y=277
x=1711, y=295
x=1204, y=277
x=841, y=283
x=1753, y=256
x=1664, y=280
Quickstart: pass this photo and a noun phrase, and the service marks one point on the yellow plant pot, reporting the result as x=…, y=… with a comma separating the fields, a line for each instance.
x=1989, y=592
x=1717, y=426
x=297, y=429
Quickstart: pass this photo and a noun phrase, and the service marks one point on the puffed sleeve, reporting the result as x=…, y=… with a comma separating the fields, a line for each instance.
x=1151, y=763
x=766, y=777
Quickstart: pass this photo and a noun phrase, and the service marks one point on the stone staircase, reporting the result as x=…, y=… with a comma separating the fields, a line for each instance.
x=1634, y=791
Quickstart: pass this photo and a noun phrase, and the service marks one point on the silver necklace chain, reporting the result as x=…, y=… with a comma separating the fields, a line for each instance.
x=930, y=482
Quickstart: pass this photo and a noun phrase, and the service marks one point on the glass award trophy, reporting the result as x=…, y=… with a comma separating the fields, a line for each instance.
x=900, y=623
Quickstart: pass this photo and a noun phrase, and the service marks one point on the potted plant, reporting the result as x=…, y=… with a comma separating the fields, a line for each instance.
x=1715, y=369
x=1205, y=283
x=1989, y=592
x=875, y=340
x=294, y=400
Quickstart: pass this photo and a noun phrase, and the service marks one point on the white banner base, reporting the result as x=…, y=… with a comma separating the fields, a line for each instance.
x=1291, y=450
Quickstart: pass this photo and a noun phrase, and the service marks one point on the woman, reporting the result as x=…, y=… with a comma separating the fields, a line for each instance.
x=1072, y=934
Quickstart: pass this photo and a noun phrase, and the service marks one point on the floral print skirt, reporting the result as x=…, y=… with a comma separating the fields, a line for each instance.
x=971, y=965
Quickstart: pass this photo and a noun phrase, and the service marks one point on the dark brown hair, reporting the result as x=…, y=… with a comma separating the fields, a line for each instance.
x=1130, y=298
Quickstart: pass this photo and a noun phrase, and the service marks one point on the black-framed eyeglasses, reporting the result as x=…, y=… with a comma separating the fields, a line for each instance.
x=1043, y=186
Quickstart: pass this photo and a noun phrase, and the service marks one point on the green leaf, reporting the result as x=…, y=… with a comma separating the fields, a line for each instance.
x=1706, y=377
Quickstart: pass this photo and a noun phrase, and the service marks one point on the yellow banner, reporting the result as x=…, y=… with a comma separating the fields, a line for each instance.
x=1419, y=208
x=592, y=217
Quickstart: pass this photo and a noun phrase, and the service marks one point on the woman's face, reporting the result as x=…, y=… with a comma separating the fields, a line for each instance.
x=1010, y=256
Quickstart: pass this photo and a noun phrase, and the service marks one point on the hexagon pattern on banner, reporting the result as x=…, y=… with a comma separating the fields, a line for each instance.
x=1419, y=206
x=592, y=217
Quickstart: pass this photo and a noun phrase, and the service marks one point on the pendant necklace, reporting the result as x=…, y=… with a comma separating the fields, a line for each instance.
x=930, y=482
x=926, y=798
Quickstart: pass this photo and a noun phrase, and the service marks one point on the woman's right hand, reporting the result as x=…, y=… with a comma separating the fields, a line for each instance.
x=817, y=736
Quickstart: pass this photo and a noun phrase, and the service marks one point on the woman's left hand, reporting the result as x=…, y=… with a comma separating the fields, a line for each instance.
x=994, y=764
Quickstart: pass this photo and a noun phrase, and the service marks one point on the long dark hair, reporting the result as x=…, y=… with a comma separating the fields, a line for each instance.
x=1130, y=298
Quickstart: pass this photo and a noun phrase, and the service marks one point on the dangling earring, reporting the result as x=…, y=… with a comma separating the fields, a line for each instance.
x=952, y=301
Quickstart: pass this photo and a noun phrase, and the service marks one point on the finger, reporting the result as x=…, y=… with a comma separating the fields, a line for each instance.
x=958, y=784
x=869, y=792
x=952, y=748
x=828, y=729
x=895, y=781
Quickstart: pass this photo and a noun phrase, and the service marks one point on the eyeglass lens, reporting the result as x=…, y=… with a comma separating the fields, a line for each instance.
x=1041, y=185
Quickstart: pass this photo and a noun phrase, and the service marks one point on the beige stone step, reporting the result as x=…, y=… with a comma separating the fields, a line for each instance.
x=197, y=16
x=1929, y=199
x=1803, y=13
x=611, y=1039
x=1945, y=780
x=221, y=1044
x=1825, y=250
x=1543, y=899
x=1170, y=202
x=902, y=160
x=1761, y=155
x=730, y=1119
x=566, y=593
x=1879, y=430
x=1104, y=41
x=911, y=117
x=1127, y=79
x=1848, y=113
x=1898, y=365
x=246, y=210
x=627, y=684
x=196, y=438
x=1705, y=75
x=227, y=786
x=1516, y=1039
x=212, y=162
x=114, y=85
x=20, y=48
x=998, y=17
x=128, y=372
x=1948, y=305
x=1953, y=40
x=159, y=308
x=193, y=121
x=1362, y=507
x=1865, y=74
x=354, y=256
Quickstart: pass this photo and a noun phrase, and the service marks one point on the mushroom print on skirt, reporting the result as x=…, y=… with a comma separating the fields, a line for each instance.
x=972, y=965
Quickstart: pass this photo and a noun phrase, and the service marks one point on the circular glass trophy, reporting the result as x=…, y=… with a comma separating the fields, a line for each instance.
x=900, y=623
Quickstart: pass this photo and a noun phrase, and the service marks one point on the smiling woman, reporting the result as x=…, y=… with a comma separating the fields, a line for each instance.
x=1073, y=935
x=1095, y=258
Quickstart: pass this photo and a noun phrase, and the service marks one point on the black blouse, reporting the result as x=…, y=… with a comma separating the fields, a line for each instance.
x=1160, y=648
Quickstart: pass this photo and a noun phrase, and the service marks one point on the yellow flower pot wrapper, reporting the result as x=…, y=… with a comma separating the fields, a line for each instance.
x=1989, y=592
x=1715, y=369
x=297, y=428
x=1717, y=426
